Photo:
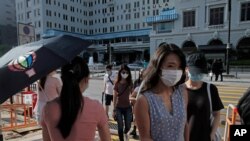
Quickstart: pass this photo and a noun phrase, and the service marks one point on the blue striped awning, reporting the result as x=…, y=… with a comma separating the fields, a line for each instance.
x=166, y=15
x=132, y=33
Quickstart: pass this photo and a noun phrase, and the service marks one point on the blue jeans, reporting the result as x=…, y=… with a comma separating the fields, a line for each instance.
x=126, y=114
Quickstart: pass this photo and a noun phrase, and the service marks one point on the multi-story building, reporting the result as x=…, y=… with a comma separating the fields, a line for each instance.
x=118, y=23
x=134, y=27
x=204, y=25
x=8, y=12
x=8, y=24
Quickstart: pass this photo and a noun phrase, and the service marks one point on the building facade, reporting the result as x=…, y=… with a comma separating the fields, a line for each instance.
x=8, y=23
x=204, y=25
x=8, y=12
x=131, y=30
x=117, y=24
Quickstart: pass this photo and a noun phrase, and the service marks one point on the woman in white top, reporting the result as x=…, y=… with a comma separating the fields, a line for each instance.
x=49, y=88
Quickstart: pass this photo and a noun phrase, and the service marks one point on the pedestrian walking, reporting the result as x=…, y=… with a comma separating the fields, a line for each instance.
x=137, y=84
x=221, y=69
x=49, y=88
x=160, y=109
x=204, y=102
x=109, y=80
x=71, y=116
x=122, y=109
x=216, y=69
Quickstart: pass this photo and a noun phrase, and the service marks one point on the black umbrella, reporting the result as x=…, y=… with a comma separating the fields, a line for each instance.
x=35, y=61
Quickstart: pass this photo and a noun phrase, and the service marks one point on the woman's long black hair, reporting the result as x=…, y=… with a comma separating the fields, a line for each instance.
x=71, y=102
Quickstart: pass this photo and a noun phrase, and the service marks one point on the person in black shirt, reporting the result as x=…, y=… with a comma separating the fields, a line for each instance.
x=200, y=126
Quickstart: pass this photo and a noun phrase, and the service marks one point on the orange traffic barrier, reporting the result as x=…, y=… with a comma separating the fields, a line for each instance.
x=17, y=112
x=232, y=118
x=16, y=116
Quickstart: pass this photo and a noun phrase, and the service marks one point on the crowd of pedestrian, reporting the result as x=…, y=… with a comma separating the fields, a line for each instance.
x=169, y=100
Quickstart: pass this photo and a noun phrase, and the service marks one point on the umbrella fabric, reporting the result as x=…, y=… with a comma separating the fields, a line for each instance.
x=35, y=61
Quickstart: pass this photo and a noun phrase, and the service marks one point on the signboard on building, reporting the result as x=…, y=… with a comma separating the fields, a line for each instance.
x=26, y=33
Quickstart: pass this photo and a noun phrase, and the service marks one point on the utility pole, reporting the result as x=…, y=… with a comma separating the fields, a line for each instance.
x=228, y=39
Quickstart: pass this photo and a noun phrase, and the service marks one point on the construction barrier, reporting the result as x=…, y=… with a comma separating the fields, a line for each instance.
x=15, y=116
x=17, y=112
x=232, y=118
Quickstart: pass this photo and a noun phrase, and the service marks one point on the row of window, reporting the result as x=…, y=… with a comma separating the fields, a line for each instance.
x=216, y=16
x=136, y=4
x=125, y=27
x=104, y=10
x=91, y=22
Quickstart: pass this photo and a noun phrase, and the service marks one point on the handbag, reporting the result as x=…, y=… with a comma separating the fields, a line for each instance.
x=217, y=133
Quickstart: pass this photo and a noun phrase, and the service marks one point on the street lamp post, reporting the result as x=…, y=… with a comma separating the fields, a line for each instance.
x=228, y=39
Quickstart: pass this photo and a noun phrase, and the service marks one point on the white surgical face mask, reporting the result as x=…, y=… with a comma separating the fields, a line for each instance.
x=124, y=75
x=170, y=77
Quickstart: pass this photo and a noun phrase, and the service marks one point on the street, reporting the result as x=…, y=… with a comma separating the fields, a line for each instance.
x=230, y=90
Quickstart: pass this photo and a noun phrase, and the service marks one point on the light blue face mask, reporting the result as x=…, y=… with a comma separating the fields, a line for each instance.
x=196, y=77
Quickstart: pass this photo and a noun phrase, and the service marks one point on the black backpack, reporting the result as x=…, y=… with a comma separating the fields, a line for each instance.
x=244, y=107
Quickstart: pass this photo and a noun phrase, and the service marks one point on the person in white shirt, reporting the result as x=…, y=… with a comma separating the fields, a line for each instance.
x=109, y=79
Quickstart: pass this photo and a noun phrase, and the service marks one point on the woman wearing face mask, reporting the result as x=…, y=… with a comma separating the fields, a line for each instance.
x=122, y=108
x=73, y=117
x=161, y=106
x=201, y=127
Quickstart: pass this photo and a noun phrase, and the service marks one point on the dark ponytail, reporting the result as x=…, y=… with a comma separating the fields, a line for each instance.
x=71, y=102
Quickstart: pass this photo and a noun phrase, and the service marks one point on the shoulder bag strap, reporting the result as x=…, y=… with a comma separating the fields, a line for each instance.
x=210, y=101
x=110, y=81
x=123, y=91
x=43, y=91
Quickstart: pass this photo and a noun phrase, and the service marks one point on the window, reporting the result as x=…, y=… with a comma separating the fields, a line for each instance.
x=245, y=12
x=72, y=29
x=127, y=16
x=163, y=27
x=128, y=26
x=29, y=15
x=188, y=18
x=38, y=12
x=112, y=29
x=104, y=30
x=137, y=26
x=216, y=16
x=28, y=3
x=48, y=2
x=112, y=19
